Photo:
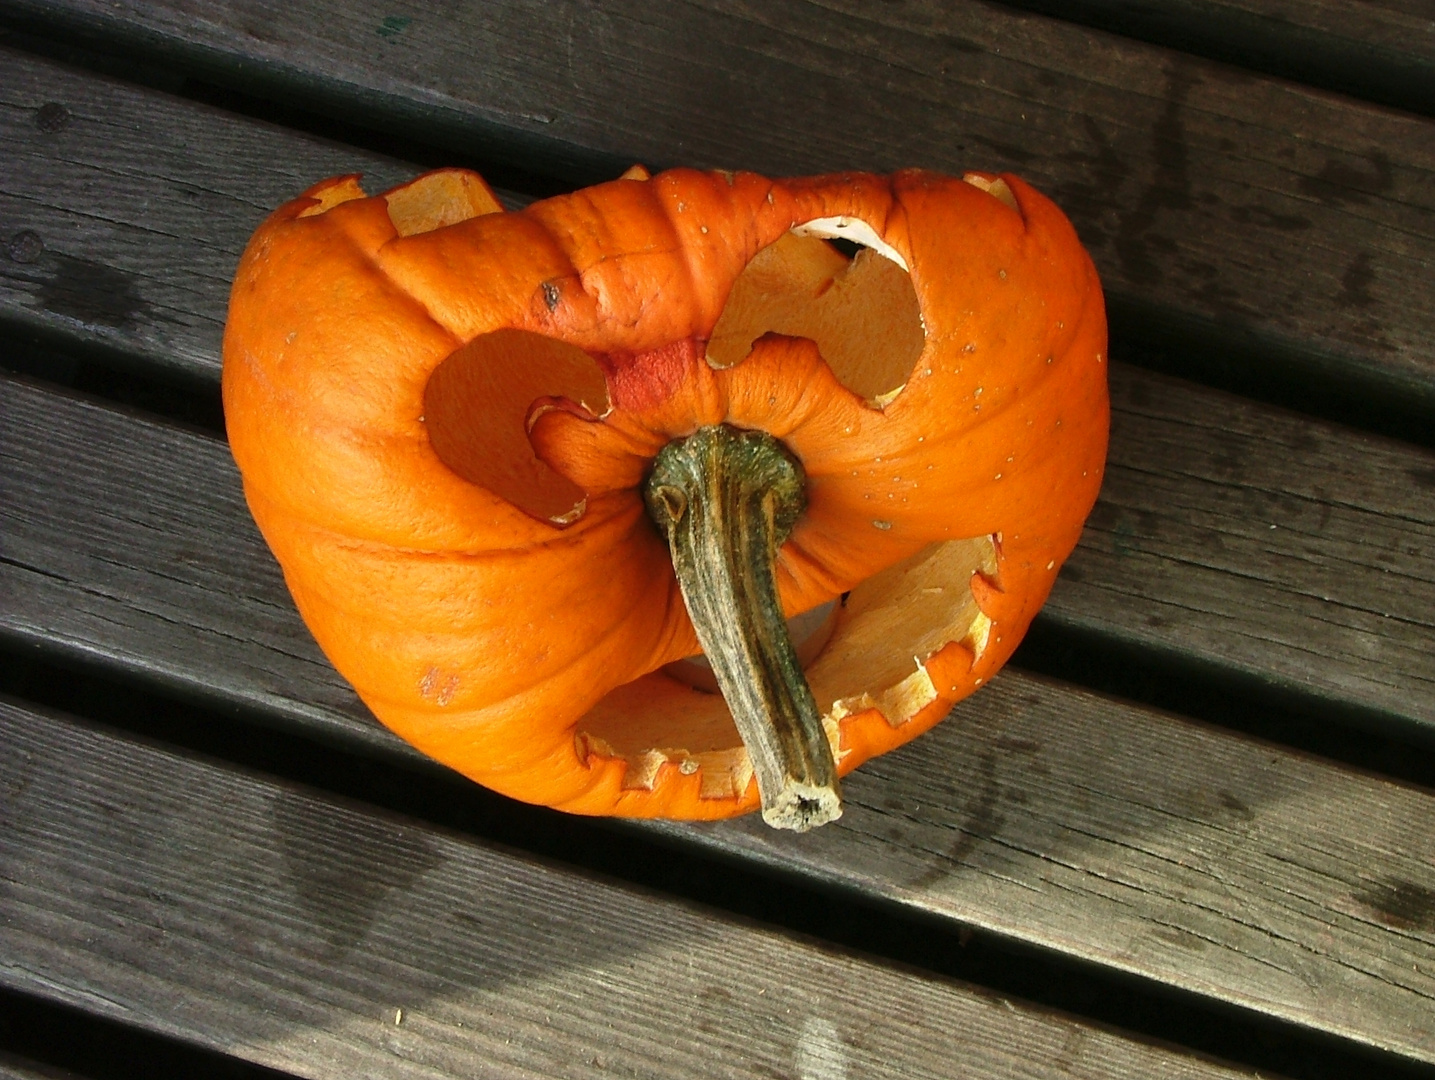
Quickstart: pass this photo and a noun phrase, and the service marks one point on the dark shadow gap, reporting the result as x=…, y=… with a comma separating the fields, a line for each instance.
x=114, y=378
x=306, y=105
x=90, y=1047
x=837, y=915
x=1265, y=44
x=1278, y=373
x=1230, y=700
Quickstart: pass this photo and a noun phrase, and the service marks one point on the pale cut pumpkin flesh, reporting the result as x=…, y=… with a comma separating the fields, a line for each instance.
x=440, y=198
x=863, y=313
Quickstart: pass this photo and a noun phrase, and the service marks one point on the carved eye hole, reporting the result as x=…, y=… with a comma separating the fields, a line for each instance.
x=476, y=406
x=861, y=310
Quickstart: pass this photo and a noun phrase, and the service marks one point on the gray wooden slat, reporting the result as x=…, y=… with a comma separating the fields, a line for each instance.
x=1298, y=553
x=1219, y=205
x=123, y=222
x=1336, y=601
x=1382, y=51
x=304, y=933
x=1164, y=848
x=1061, y=818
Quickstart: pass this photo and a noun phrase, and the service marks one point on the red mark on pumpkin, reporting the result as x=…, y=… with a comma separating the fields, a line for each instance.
x=643, y=380
x=437, y=687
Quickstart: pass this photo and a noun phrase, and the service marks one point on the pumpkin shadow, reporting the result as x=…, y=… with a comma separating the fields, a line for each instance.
x=292, y=927
x=1139, y=840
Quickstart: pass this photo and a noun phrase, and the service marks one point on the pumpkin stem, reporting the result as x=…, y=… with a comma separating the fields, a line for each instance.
x=727, y=499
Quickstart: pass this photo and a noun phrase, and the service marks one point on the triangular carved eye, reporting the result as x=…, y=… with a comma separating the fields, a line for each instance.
x=476, y=407
x=862, y=312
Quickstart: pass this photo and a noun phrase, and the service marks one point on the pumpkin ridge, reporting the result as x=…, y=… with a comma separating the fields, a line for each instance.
x=672, y=640
x=375, y=258
x=372, y=257
x=571, y=536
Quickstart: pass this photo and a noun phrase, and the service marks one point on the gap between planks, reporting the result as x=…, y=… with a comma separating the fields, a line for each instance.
x=1384, y=53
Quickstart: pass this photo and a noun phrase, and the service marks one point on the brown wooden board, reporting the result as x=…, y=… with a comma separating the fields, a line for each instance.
x=1336, y=601
x=1382, y=51
x=304, y=933
x=1061, y=818
x=1226, y=211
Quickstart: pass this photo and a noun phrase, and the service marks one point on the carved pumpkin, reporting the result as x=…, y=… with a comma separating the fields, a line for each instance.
x=479, y=441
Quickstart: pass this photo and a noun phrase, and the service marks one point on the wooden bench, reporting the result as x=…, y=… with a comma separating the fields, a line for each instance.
x=1194, y=821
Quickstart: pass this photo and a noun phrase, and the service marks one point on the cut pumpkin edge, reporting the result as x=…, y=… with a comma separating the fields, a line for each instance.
x=912, y=678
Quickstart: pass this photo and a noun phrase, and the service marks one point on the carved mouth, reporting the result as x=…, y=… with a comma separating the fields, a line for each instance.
x=810, y=632
x=875, y=658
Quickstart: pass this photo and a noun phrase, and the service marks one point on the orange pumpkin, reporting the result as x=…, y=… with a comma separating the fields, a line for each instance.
x=447, y=418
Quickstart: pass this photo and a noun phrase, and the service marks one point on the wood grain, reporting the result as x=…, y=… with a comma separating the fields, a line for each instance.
x=321, y=937
x=1164, y=848
x=1383, y=51
x=1064, y=819
x=1336, y=601
x=1299, y=553
x=1224, y=210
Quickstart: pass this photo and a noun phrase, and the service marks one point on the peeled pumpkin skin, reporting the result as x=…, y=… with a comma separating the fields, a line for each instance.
x=522, y=645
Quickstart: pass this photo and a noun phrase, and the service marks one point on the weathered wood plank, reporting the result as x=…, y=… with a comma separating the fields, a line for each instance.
x=321, y=937
x=1223, y=209
x=124, y=213
x=1060, y=818
x=1204, y=577
x=1159, y=847
x=1299, y=553
x=1382, y=51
